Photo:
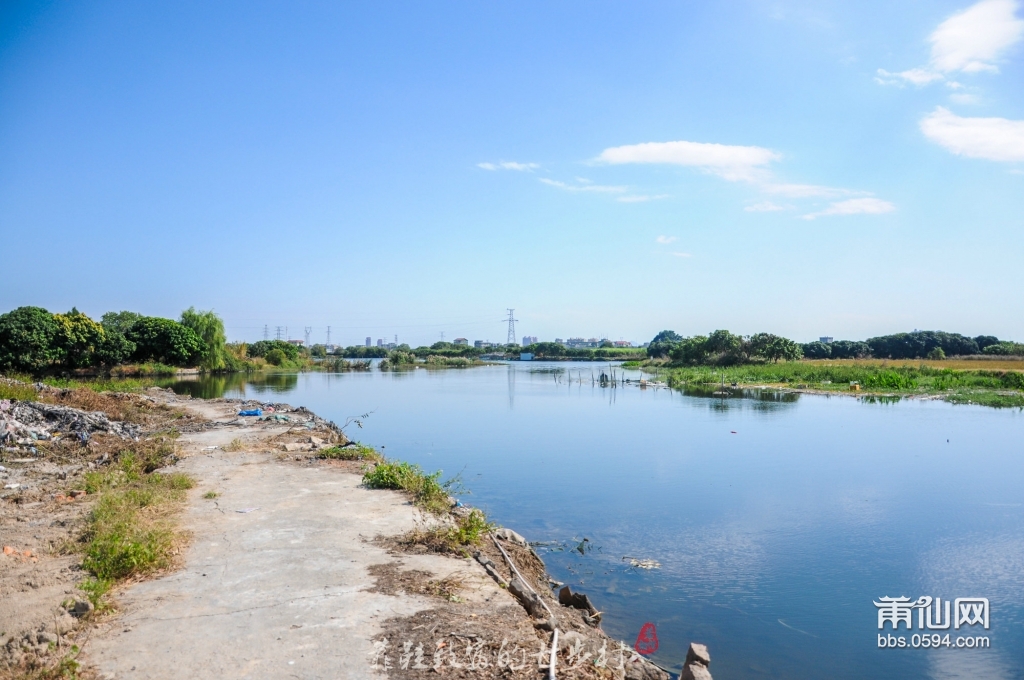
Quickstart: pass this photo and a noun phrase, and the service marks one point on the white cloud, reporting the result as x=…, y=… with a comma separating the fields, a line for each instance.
x=995, y=139
x=764, y=206
x=953, y=85
x=639, y=198
x=854, y=206
x=665, y=240
x=914, y=76
x=678, y=254
x=595, y=188
x=973, y=39
x=970, y=41
x=731, y=162
x=509, y=165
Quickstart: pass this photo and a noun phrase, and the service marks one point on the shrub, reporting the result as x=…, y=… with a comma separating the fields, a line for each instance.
x=426, y=490
x=936, y=353
x=352, y=452
x=276, y=357
x=890, y=380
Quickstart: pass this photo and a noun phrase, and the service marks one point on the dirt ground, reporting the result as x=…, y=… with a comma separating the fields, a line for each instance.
x=293, y=569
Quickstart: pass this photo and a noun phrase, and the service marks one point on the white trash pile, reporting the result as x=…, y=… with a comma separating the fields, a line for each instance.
x=24, y=423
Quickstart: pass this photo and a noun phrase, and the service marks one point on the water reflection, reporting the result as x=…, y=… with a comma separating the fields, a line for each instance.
x=216, y=386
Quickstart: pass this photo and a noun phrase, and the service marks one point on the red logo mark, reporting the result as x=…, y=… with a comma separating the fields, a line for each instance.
x=647, y=640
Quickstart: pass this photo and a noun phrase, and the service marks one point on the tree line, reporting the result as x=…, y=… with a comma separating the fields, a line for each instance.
x=724, y=348
x=33, y=340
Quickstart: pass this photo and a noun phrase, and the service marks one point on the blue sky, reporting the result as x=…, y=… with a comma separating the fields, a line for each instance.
x=606, y=169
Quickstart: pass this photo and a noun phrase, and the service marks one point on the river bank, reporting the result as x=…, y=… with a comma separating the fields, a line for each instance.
x=986, y=382
x=291, y=567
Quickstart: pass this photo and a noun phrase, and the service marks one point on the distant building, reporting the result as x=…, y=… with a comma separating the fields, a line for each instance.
x=380, y=342
x=330, y=349
x=622, y=343
x=368, y=341
x=581, y=343
x=529, y=340
x=826, y=339
x=300, y=343
x=461, y=341
x=482, y=344
x=560, y=341
x=525, y=356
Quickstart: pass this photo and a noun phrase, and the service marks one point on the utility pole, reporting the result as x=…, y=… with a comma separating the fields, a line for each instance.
x=511, y=329
x=328, y=335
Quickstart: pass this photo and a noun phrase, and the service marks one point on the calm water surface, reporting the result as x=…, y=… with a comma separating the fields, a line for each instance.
x=776, y=520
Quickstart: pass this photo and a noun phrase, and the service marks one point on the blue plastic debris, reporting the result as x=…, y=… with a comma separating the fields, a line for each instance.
x=251, y=412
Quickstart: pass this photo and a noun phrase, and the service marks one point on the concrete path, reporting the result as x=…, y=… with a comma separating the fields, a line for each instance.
x=277, y=591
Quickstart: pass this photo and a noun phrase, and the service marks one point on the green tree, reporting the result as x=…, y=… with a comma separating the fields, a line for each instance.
x=275, y=357
x=165, y=341
x=773, y=347
x=118, y=322
x=78, y=338
x=663, y=344
x=210, y=328
x=27, y=340
x=262, y=347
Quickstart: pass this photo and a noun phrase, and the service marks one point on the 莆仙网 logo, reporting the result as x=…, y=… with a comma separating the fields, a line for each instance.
x=931, y=614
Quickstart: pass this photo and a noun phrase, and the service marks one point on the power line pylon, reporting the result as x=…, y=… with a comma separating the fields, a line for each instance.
x=308, y=329
x=511, y=328
x=279, y=329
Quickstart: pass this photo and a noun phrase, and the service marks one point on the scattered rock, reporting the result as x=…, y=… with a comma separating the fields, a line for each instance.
x=567, y=598
x=696, y=665
x=75, y=493
x=529, y=599
x=297, y=447
x=82, y=607
x=509, y=535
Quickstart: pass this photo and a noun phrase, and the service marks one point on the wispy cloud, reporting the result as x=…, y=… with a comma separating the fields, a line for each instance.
x=914, y=76
x=678, y=254
x=594, y=188
x=640, y=198
x=764, y=206
x=733, y=163
x=509, y=165
x=665, y=240
x=970, y=41
x=806, y=190
x=854, y=206
x=994, y=139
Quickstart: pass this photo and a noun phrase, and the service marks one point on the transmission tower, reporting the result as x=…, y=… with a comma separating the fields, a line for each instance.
x=279, y=329
x=511, y=329
x=308, y=329
x=328, y=335
x=266, y=332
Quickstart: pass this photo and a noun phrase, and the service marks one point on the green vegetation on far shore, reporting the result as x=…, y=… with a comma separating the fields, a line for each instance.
x=999, y=388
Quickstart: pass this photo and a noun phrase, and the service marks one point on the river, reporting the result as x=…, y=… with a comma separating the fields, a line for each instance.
x=778, y=520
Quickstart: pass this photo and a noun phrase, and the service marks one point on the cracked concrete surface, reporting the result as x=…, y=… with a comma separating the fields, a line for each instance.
x=279, y=591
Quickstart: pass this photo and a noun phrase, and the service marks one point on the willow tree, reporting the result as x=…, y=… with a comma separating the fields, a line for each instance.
x=210, y=329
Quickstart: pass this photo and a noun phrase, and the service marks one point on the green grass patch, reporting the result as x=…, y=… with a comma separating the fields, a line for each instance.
x=988, y=387
x=131, y=529
x=427, y=491
x=352, y=452
x=105, y=384
x=467, y=530
x=21, y=392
